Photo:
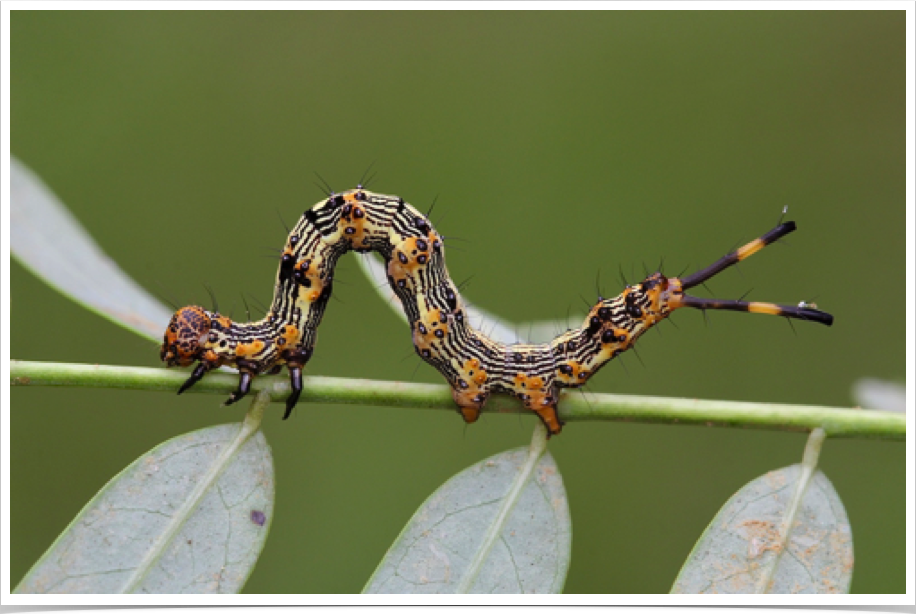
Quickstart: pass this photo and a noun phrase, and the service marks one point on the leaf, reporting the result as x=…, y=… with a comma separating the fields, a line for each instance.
x=500, y=526
x=189, y=516
x=748, y=549
x=497, y=328
x=873, y=393
x=49, y=241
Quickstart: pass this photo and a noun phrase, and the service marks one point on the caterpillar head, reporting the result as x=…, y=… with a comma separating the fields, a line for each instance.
x=184, y=337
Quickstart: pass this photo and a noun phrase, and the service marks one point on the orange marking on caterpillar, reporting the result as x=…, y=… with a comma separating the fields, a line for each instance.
x=751, y=248
x=539, y=398
x=477, y=375
x=248, y=350
x=524, y=381
x=311, y=284
x=403, y=264
x=431, y=328
x=210, y=356
x=568, y=372
x=288, y=336
x=469, y=392
x=770, y=308
x=353, y=222
x=408, y=257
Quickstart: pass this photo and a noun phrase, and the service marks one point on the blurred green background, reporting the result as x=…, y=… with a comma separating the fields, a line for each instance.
x=559, y=145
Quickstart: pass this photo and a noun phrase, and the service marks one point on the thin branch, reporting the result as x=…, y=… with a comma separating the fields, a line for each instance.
x=836, y=422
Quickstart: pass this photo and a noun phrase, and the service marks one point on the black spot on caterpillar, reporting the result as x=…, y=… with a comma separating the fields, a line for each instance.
x=474, y=365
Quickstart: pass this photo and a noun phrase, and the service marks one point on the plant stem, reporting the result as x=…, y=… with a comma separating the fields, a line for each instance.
x=836, y=422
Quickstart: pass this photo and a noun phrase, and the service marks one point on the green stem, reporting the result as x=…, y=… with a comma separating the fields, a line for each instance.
x=836, y=422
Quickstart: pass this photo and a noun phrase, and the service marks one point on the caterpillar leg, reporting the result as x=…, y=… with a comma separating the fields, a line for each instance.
x=196, y=376
x=244, y=386
x=540, y=396
x=295, y=382
x=295, y=361
x=551, y=419
x=469, y=403
x=470, y=414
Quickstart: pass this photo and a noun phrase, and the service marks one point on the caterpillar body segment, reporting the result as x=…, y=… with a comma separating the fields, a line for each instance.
x=474, y=365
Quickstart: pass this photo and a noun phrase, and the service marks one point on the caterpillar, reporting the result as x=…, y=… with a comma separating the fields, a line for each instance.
x=474, y=365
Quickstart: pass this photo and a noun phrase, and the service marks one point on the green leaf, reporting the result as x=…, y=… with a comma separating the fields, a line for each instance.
x=500, y=526
x=48, y=240
x=189, y=516
x=785, y=532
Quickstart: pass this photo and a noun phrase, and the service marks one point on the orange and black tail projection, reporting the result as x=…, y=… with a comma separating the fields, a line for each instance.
x=802, y=311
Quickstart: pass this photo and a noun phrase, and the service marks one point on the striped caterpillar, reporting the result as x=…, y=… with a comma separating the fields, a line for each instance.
x=474, y=365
